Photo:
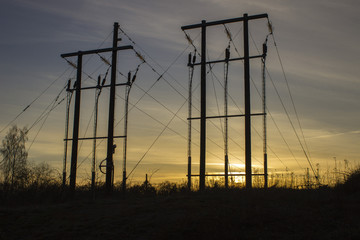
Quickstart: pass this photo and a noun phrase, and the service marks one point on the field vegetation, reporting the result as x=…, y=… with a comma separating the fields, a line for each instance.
x=34, y=204
x=47, y=210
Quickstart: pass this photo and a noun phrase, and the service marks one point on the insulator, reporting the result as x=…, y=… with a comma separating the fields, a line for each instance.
x=139, y=56
x=194, y=58
x=105, y=60
x=99, y=78
x=103, y=82
x=270, y=27
x=228, y=34
x=71, y=64
x=74, y=84
x=227, y=53
x=189, y=59
x=133, y=79
x=264, y=49
x=68, y=85
x=189, y=39
x=129, y=76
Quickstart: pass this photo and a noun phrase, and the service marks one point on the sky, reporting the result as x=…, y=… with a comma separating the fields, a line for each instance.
x=317, y=42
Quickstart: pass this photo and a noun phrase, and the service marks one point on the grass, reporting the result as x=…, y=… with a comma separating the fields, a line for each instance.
x=170, y=211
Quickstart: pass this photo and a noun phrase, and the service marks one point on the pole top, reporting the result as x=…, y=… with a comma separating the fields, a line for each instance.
x=226, y=21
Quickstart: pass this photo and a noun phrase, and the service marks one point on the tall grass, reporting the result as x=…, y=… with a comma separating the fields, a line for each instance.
x=47, y=189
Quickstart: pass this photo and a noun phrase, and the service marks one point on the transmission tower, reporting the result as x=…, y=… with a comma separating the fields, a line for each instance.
x=203, y=26
x=110, y=136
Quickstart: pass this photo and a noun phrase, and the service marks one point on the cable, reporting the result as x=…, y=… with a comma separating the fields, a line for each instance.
x=42, y=93
x=231, y=40
x=240, y=112
x=253, y=85
x=161, y=76
x=210, y=70
x=217, y=103
x=271, y=33
x=157, y=138
x=282, y=136
x=47, y=115
x=42, y=115
x=165, y=71
x=293, y=104
x=35, y=99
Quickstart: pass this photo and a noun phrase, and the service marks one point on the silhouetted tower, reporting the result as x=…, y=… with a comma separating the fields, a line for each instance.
x=226, y=129
x=264, y=111
x=110, y=143
x=99, y=87
x=191, y=62
x=110, y=136
x=69, y=93
x=203, y=25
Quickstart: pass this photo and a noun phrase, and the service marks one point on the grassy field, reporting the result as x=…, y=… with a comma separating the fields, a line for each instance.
x=173, y=213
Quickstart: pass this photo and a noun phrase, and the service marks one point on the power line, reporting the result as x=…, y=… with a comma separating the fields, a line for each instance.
x=253, y=128
x=42, y=115
x=156, y=139
x=47, y=115
x=210, y=70
x=231, y=41
x=162, y=76
x=34, y=100
x=271, y=33
x=146, y=93
x=43, y=92
x=293, y=104
x=227, y=31
x=217, y=103
x=165, y=71
x=282, y=136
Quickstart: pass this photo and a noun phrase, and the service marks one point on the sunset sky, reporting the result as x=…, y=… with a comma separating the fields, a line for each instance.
x=318, y=42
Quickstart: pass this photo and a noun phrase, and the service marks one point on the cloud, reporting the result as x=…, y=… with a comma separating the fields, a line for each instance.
x=332, y=135
x=317, y=42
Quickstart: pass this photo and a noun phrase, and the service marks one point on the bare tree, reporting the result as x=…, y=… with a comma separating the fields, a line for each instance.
x=14, y=163
x=43, y=174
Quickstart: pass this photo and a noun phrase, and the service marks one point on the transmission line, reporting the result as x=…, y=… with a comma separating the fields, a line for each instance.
x=34, y=100
x=292, y=101
x=232, y=42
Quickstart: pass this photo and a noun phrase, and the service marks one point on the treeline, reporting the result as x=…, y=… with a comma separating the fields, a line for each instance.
x=16, y=172
x=22, y=182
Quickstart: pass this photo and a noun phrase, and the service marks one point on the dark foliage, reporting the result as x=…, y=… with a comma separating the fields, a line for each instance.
x=352, y=183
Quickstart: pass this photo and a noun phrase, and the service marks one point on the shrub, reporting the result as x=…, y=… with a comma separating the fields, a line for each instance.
x=352, y=183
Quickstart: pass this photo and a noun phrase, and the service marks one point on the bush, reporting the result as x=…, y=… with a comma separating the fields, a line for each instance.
x=168, y=188
x=144, y=189
x=352, y=183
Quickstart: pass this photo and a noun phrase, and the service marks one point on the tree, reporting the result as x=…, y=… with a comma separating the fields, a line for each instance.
x=42, y=174
x=14, y=163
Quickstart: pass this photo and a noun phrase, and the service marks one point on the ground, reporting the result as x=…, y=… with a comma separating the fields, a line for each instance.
x=213, y=214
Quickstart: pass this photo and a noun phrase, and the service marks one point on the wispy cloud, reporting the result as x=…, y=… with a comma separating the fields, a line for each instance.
x=333, y=135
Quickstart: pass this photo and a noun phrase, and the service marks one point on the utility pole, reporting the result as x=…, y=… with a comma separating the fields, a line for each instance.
x=110, y=143
x=226, y=140
x=97, y=96
x=127, y=93
x=68, y=101
x=203, y=106
x=248, y=172
x=110, y=137
x=191, y=61
x=74, y=148
x=203, y=25
x=264, y=111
